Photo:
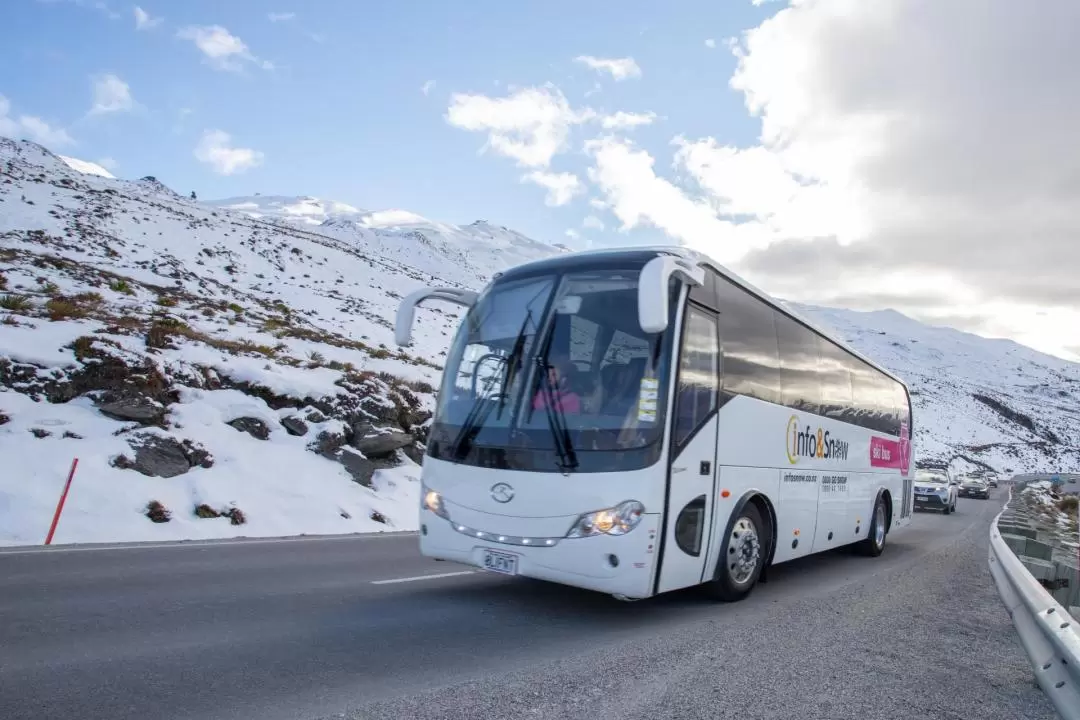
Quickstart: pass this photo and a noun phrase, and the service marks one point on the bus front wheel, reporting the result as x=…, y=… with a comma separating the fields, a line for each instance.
x=742, y=556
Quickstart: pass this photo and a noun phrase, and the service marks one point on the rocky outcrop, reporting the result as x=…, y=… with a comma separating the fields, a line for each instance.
x=163, y=456
x=254, y=427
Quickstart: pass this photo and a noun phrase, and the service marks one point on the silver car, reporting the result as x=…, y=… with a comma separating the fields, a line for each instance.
x=934, y=491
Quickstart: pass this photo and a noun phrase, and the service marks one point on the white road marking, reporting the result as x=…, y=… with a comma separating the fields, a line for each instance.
x=422, y=577
x=217, y=542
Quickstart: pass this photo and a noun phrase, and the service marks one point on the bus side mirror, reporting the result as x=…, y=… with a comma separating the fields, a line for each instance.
x=653, y=306
x=407, y=310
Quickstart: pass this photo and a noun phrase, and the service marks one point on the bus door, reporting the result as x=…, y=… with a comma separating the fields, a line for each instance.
x=692, y=472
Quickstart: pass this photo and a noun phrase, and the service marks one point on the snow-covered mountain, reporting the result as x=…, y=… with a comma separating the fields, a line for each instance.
x=227, y=368
x=474, y=251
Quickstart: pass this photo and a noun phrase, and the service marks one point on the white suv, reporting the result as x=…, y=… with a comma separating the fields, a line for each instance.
x=934, y=491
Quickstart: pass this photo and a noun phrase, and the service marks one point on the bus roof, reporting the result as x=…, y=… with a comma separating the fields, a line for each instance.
x=705, y=261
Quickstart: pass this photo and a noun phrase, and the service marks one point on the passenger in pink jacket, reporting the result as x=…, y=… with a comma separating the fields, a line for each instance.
x=565, y=399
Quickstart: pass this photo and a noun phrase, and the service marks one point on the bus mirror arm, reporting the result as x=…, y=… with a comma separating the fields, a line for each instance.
x=407, y=310
x=653, y=288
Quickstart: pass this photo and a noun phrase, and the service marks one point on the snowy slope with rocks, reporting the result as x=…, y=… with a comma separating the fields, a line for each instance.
x=228, y=369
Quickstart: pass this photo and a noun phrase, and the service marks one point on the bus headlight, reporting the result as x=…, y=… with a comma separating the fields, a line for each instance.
x=617, y=520
x=433, y=501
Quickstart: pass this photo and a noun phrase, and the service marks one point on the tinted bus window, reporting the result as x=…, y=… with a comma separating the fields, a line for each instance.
x=800, y=374
x=836, y=393
x=748, y=338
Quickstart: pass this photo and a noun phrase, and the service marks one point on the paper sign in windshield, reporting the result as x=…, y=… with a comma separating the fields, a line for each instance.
x=647, y=397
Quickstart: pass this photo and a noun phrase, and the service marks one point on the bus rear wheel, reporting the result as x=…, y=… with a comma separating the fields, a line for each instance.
x=741, y=557
x=874, y=543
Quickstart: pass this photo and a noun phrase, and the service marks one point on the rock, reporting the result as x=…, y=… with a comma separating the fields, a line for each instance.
x=359, y=467
x=162, y=456
x=328, y=441
x=197, y=455
x=316, y=417
x=254, y=427
x=137, y=408
x=415, y=453
x=40, y=433
x=379, y=445
x=295, y=425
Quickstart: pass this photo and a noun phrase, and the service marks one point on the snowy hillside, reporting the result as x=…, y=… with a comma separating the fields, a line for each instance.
x=228, y=369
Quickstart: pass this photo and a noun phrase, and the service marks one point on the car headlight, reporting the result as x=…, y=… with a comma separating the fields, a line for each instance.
x=433, y=501
x=617, y=520
x=943, y=491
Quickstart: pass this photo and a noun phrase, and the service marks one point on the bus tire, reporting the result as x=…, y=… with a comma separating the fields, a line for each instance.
x=742, y=556
x=874, y=544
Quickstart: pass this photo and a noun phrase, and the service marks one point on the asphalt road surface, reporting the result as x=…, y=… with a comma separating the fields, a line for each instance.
x=310, y=628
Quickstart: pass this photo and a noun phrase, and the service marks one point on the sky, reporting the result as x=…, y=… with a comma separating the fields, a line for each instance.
x=910, y=154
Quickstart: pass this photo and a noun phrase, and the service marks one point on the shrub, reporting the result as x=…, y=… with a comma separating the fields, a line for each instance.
x=3, y=282
x=1070, y=504
x=236, y=516
x=157, y=512
x=205, y=511
x=61, y=309
x=121, y=286
x=166, y=301
x=16, y=303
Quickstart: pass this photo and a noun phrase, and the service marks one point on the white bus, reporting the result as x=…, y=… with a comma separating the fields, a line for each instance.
x=640, y=420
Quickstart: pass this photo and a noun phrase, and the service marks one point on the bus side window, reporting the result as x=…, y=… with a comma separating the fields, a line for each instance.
x=699, y=375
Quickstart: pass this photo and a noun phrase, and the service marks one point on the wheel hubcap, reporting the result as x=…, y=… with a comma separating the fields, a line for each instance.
x=879, y=526
x=744, y=548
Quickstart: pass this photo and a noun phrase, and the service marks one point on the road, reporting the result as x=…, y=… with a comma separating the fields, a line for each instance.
x=308, y=628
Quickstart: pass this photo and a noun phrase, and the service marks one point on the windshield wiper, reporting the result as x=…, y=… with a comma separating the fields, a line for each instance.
x=513, y=361
x=473, y=422
x=557, y=421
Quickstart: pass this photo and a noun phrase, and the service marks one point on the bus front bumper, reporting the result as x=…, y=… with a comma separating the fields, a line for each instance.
x=612, y=564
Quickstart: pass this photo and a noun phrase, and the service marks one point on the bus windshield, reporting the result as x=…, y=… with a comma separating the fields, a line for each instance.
x=553, y=372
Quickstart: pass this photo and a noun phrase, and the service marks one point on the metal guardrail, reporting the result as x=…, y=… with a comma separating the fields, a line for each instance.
x=1049, y=635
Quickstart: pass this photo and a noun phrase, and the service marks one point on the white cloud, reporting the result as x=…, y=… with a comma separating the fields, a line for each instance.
x=143, y=20
x=31, y=127
x=573, y=234
x=627, y=120
x=41, y=132
x=710, y=43
x=619, y=68
x=593, y=223
x=941, y=135
x=561, y=187
x=222, y=49
x=428, y=87
x=638, y=197
x=216, y=150
x=111, y=94
x=281, y=16
x=530, y=126
x=598, y=204
x=108, y=163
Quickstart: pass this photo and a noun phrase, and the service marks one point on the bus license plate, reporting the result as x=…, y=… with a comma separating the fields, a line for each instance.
x=503, y=563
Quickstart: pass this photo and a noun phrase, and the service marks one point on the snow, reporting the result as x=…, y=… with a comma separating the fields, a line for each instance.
x=312, y=286
x=281, y=488
x=40, y=342
x=86, y=167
